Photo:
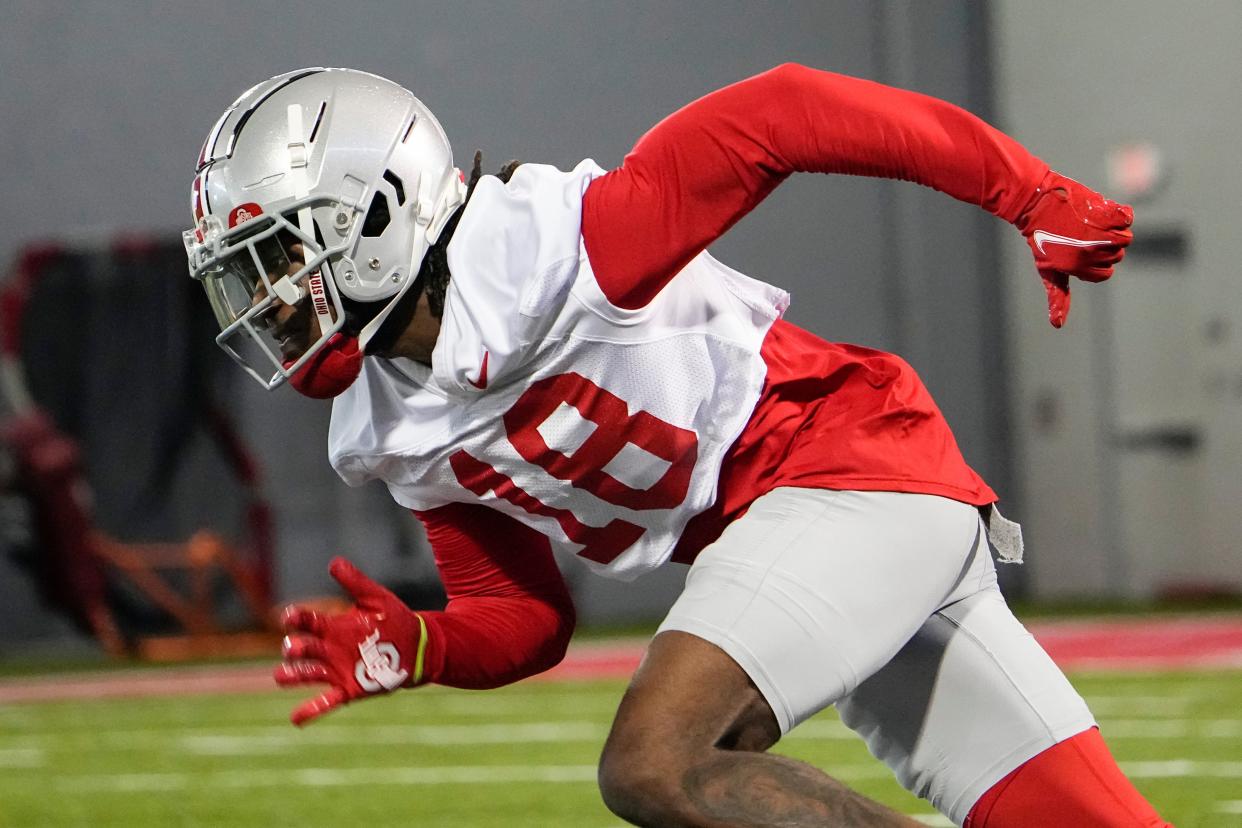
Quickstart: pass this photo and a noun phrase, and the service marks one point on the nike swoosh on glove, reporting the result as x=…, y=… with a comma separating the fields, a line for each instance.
x=374, y=648
x=1073, y=231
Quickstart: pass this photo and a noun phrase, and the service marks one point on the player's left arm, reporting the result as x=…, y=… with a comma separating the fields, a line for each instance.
x=701, y=169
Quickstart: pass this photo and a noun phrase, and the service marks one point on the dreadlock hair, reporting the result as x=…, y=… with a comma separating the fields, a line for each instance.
x=434, y=272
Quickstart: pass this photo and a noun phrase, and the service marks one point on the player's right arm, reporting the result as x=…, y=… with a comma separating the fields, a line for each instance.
x=509, y=616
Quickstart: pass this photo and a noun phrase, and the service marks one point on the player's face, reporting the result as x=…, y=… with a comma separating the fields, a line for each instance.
x=295, y=327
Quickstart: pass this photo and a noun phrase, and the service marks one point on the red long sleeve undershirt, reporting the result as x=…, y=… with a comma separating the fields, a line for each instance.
x=697, y=172
x=687, y=181
x=509, y=614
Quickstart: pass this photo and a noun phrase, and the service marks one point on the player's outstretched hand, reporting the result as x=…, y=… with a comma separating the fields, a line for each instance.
x=375, y=647
x=1073, y=231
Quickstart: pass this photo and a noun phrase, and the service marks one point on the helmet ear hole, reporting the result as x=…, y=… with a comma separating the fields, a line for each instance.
x=378, y=217
x=397, y=186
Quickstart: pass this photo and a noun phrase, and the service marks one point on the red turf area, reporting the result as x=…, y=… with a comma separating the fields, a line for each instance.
x=1130, y=644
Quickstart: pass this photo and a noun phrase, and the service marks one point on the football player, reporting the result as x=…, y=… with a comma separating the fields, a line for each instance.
x=542, y=360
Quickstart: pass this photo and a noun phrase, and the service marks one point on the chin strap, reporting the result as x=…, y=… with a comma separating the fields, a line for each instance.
x=330, y=371
x=338, y=363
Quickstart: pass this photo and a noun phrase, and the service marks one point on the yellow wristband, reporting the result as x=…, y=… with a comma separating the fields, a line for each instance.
x=422, y=650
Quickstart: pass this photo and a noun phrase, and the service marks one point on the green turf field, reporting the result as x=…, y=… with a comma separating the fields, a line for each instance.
x=522, y=756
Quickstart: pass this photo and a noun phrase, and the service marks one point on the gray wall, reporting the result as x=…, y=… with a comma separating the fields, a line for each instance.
x=1129, y=421
x=105, y=104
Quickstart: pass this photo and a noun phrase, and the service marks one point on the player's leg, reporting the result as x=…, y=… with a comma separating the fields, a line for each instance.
x=975, y=717
x=685, y=750
x=796, y=603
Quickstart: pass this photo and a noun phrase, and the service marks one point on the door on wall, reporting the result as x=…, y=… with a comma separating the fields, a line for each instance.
x=1129, y=421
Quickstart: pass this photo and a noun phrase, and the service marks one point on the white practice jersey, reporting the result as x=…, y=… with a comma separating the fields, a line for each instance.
x=601, y=427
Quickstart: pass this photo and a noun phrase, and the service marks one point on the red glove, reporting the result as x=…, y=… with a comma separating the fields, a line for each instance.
x=1073, y=231
x=376, y=647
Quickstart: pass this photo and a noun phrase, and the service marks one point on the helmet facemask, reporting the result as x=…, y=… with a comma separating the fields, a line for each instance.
x=247, y=273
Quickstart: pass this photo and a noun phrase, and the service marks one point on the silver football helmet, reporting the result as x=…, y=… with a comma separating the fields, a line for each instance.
x=348, y=165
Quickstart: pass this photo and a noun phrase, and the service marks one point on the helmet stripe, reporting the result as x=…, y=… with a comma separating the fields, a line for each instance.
x=245, y=116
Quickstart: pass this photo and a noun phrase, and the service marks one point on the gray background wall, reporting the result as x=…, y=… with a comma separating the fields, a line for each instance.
x=105, y=104
x=1129, y=421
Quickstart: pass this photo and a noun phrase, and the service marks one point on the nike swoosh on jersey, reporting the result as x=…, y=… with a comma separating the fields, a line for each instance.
x=1041, y=238
x=481, y=383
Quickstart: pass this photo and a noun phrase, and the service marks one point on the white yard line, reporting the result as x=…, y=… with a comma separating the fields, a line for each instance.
x=1145, y=728
x=1231, y=806
x=360, y=777
x=1182, y=767
x=1159, y=705
x=243, y=740
x=320, y=777
x=1139, y=705
x=1171, y=728
x=22, y=757
x=284, y=735
x=246, y=739
x=277, y=741
x=1222, y=728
